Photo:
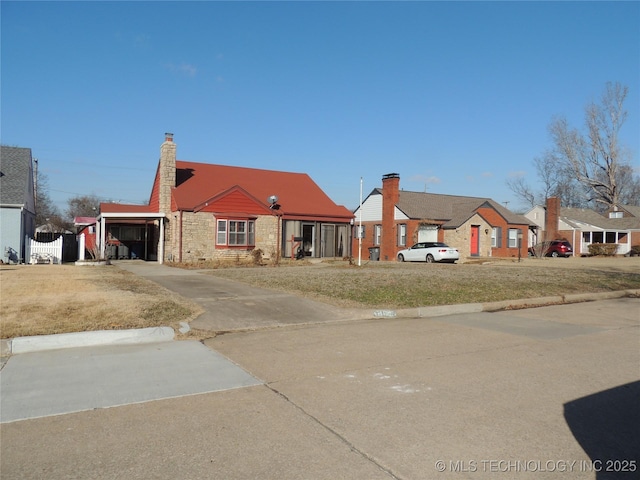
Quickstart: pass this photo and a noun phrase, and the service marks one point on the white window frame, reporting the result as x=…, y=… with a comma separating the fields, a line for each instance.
x=377, y=234
x=235, y=232
x=402, y=234
x=513, y=237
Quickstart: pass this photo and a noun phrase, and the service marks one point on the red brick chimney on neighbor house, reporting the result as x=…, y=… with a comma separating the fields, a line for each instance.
x=552, y=218
x=390, y=197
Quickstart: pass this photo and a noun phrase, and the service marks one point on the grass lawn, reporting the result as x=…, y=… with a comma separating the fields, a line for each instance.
x=47, y=299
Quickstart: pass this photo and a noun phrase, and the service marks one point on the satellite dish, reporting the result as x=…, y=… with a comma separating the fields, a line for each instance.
x=272, y=199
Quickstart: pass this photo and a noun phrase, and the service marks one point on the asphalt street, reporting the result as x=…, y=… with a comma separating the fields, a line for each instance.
x=541, y=393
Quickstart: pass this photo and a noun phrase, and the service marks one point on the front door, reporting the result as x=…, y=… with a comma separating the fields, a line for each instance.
x=307, y=239
x=475, y=240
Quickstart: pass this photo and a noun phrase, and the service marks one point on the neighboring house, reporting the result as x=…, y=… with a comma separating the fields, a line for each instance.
x=583, y=226
x=202, y=211
x=86, y=226
x=17, y=202
x=394, y=219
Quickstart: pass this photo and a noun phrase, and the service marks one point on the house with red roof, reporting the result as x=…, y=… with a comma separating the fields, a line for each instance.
x=199, y=211
x=86, y=227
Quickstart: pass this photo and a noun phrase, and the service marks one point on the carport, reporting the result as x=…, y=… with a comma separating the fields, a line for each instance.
x=138, y=235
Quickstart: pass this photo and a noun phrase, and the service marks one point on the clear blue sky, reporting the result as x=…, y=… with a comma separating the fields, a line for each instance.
x=456, y=97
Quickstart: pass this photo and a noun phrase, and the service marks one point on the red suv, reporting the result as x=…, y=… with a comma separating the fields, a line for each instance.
x=554, y=248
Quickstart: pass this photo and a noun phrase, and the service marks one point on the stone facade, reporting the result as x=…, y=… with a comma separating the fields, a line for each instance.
x=460, y=237
x=198, y=238
x=167, y=172
x=267, y=235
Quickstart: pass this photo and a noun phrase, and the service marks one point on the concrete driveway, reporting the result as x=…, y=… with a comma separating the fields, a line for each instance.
x=544, y=393
x=230, y=305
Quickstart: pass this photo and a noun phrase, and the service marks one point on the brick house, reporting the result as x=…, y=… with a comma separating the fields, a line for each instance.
x=394, y=219
x=582, y=226
x=204, y=211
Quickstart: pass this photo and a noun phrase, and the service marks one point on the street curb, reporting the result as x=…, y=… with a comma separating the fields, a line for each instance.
x=441, y=310
x=86, y=339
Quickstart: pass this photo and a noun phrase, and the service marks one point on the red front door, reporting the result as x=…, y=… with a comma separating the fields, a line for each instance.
x=475, y=240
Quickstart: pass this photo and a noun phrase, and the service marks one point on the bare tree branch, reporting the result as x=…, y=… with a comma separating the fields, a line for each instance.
x=595, y=159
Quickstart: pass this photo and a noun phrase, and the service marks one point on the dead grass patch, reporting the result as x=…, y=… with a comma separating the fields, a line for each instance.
x=406, y=285
x=50, y=299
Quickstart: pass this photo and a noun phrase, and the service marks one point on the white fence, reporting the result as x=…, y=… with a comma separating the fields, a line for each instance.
x=43, y=252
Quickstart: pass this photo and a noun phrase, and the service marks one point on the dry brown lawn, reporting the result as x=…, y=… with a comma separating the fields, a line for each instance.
x=46, y=299
x=406, y=285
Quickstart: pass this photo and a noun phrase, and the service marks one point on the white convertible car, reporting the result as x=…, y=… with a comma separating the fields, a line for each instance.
x=429, y=252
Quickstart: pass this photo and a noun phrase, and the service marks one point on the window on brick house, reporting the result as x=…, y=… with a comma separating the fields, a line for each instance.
x=496, y=237
x=402, y=235
x=377, y=234
x=513, y=237
x=235, y=233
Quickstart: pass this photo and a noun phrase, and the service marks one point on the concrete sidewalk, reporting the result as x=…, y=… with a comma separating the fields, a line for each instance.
x=54, y=382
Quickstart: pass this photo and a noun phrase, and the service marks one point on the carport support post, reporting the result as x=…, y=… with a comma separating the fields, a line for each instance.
x=102, y=236
x=161, y=242
x=81, y=246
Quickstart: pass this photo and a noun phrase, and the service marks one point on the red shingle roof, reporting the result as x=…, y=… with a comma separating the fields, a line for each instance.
x=298, y=194
x=124, y=208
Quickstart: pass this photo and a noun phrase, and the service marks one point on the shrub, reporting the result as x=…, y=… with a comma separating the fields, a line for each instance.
x=257, y=256
x=603, y=249
x=635, y=251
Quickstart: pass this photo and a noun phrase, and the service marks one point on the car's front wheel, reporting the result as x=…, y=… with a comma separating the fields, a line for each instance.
x=554, y=254
x=430, y=258
x=401, y=258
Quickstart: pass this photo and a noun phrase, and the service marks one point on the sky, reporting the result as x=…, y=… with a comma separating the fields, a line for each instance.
x=455, y=97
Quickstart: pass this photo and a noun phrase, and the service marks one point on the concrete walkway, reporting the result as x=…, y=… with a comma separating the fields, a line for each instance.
x=232, y=306
x=54, y=382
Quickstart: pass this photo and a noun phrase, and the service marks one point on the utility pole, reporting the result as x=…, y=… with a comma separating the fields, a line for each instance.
x=35, y=183
x=360, y=227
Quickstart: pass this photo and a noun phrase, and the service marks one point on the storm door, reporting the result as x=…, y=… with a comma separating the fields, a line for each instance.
x=328, y=241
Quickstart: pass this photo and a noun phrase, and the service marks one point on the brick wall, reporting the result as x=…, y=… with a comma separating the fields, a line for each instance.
x=552, y=218
x=390, y=197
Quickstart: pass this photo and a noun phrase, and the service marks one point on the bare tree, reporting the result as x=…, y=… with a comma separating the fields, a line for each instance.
x=47, y=213
x=555, y=181
x=522, y=190
x=630, y=194
x=83, y=206
x=596, y=158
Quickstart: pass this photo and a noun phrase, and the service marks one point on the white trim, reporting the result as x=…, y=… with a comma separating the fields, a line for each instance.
x=131, y=215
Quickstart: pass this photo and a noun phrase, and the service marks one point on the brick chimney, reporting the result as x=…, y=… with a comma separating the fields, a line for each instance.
x=167, y=172
x=552, y=218
x=390, y=197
